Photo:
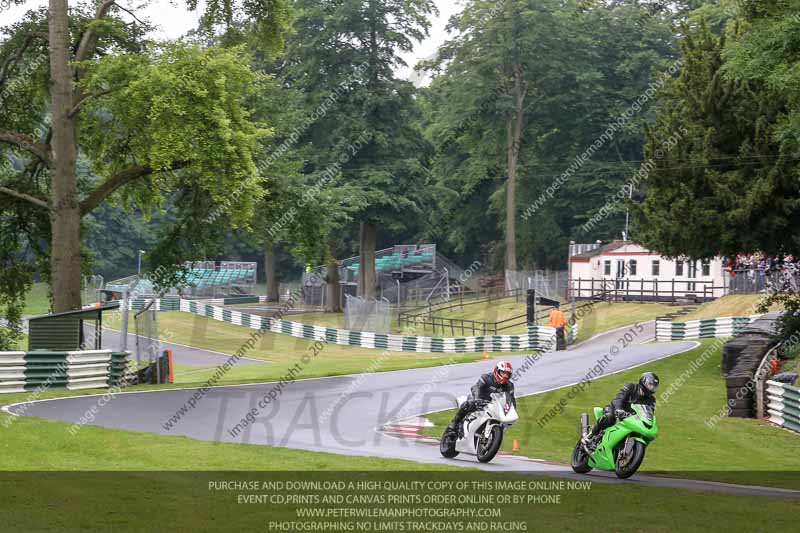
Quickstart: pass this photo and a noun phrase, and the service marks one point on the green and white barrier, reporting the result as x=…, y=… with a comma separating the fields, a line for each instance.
x=91, y=369
x=162, y=304
x=730, y=326
x=783, y=405
x=537, y=338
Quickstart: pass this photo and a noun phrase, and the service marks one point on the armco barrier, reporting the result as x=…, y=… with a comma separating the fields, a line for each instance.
x=730, y=326
x=92, y=369
x=783, y=405
x=537, y=338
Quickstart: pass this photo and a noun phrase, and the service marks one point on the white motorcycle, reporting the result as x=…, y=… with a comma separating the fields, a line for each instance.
x=483, y=429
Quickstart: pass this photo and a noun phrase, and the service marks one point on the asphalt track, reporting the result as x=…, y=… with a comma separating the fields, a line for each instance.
x=181, y=353
x=348, y=414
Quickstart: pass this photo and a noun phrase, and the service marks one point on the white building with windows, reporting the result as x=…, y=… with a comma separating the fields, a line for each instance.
x=625, y=270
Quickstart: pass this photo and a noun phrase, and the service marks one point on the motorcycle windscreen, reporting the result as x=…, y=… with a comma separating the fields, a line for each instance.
x=645, y=412
x=508, y=413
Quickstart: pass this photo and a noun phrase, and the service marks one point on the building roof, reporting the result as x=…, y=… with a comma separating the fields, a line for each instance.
x=610, y=247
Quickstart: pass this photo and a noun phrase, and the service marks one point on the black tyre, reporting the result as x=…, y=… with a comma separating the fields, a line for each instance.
x=634, y=461
x=580, y=460
x=447, y=444
x=741, y=403
x=487, y=448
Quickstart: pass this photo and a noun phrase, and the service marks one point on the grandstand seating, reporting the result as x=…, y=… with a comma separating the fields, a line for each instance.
x=202, y=278
x=422, y=260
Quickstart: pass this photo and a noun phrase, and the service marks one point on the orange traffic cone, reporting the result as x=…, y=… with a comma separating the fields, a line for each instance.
x=486, y=355
x=515, y=446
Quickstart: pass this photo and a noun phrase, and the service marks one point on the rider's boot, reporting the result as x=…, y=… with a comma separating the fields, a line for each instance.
x=588, y=440
x=456, y=427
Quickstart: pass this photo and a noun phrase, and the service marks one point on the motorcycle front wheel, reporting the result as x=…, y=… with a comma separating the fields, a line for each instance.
x=626, y=470
x=488, y=447
x=580, y=460
x=447, y=444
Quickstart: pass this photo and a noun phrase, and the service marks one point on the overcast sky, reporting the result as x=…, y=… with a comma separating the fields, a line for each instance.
x=174, y=20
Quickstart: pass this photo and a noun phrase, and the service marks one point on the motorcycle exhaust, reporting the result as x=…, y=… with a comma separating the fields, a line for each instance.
x=584, y=423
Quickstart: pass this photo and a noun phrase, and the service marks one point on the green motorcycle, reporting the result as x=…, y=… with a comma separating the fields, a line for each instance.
x=621, y=447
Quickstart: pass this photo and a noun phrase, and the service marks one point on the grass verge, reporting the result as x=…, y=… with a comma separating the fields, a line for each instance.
x=37, y=302
x=133, y=501
x=731, y=305
x=605, y=316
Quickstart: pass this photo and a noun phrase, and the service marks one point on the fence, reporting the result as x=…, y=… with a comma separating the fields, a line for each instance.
x=424, y=315
x=548, y=283
x=77, y=370
x=783, y=405
x=367, y=315
x=731, y=326
x=645, y=290
x=758, y=280
x=90, y=286
x=536, y=338
x=147, y=343
x=762, y=375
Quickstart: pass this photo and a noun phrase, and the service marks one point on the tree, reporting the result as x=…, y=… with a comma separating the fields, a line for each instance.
x=147, y=119
x=344, y=53
x=730, y=184
x=501, y=56
x=581, y=67
x=733, y=177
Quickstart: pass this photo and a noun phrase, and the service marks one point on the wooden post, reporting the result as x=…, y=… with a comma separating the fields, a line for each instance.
x=673, y=290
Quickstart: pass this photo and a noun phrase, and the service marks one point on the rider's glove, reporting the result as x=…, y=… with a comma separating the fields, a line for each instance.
x=621, y=413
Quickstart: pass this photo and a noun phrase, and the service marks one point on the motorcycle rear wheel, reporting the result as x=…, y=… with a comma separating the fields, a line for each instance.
x=487, y=450
x=580, y=460
x=447, y=444
x=633, y=464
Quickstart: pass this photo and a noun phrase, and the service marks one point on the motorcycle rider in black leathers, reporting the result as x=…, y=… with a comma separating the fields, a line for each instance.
x=641, y=393
x=499, y=380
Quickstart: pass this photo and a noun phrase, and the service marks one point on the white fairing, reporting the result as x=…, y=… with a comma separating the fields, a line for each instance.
x=497, y=412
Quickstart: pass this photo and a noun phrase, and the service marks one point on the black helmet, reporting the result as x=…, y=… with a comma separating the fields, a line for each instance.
x=649, y=383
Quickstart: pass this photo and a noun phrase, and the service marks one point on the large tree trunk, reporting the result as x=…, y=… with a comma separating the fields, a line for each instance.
x=65, y=215
x=514, y=138
x=333, y=295
x=366, y=259
x=273, y=294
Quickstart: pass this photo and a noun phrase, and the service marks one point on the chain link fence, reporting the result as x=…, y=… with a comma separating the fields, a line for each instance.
x=147, y=343
x=548, y=283
x=367, y=315
x=91, y=286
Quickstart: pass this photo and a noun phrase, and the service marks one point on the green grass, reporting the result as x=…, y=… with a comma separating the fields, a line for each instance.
x=22, y=343
x=131, y=501
x=605, y=316
x=731, y=305
x=733, y=450
x=282, y=350
x=37, y=301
